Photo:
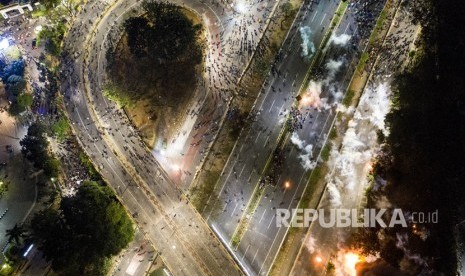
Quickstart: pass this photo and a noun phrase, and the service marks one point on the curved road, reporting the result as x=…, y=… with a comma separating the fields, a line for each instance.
x=185, y=242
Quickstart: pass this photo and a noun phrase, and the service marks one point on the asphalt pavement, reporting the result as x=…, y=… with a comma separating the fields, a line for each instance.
x=262, y=239
x=185, y=242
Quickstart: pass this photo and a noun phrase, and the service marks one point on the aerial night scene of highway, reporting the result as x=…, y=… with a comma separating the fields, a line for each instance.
x=232, y=137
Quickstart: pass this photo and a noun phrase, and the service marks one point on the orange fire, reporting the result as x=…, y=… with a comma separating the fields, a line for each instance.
x=350, y=260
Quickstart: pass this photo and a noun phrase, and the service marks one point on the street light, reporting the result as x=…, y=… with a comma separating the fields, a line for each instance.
x=287, y=184
x=4, y=43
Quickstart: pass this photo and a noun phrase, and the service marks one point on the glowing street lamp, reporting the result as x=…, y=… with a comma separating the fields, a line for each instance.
x=287, y=184
x=4, y=43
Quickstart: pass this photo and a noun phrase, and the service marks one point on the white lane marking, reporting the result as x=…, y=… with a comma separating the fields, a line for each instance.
x=245, y=251
x=271, y=221
x=243, y=167
x=326, y=121
x=324, y=16
x=272, y=104
x=348, y=24
x=232, y=214
x=224, y=184
x=254, y=256
x=266, y=141
x=281, y=109
x=262, y=216
x=250, y=176
x=257, y=137
x=314, y=15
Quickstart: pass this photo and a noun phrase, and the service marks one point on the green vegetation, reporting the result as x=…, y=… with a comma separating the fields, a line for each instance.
x=202, y=192
x=3, y=188
x=325, y=152
x=50, y=4
x=25, y=101
x=61, y=128
x=85, y=232
x=287, y=9
x=16, y=234
x=347, y=101
x=85, y=161
x=12, y=73
x=51, y=167
x=34, y=147
x=52, y=37
x=262, y=66
x=6, y=269
x=333, y=133
x=315, y=176
x=116, y=94
x=157, y=49
x=163, y=34
x=339, y=13
x=361, y=63
x=38, y=13
x=378, y=26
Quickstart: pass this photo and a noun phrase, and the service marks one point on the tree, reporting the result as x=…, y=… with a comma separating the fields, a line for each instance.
x=71, y=6
x=25, y=100
x=50, y=4
x=51, y=167
x=137, y=29
x=16, y=88
x=52, y=36
x=287, y=8
x=16, y=67
x=164, y=34
x=88, y=229
x=15, y=109
x=34, y=145
x=15, y=234
x=61, y=128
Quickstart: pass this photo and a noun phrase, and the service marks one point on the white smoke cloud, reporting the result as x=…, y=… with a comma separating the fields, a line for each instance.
x=311, y=244
x=339, y=40
x=296, y=141
x=349, y=165
x=332, y=66
x=378, y=97
x=307, y=152
x=308, y=48
x=314, y=89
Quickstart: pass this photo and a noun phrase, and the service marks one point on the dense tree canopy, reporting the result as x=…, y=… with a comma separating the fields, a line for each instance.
x=34, y=144
x=49, y=4
x=16, y=67
x=88, y=229
x=34, y=147
x=163, y=33
x=52, y=37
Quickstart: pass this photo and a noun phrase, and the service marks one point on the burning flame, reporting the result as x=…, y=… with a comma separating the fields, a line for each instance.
x=310, y=99
x=349, y=260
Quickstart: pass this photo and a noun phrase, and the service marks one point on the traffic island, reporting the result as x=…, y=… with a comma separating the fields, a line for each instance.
x=153, y=69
